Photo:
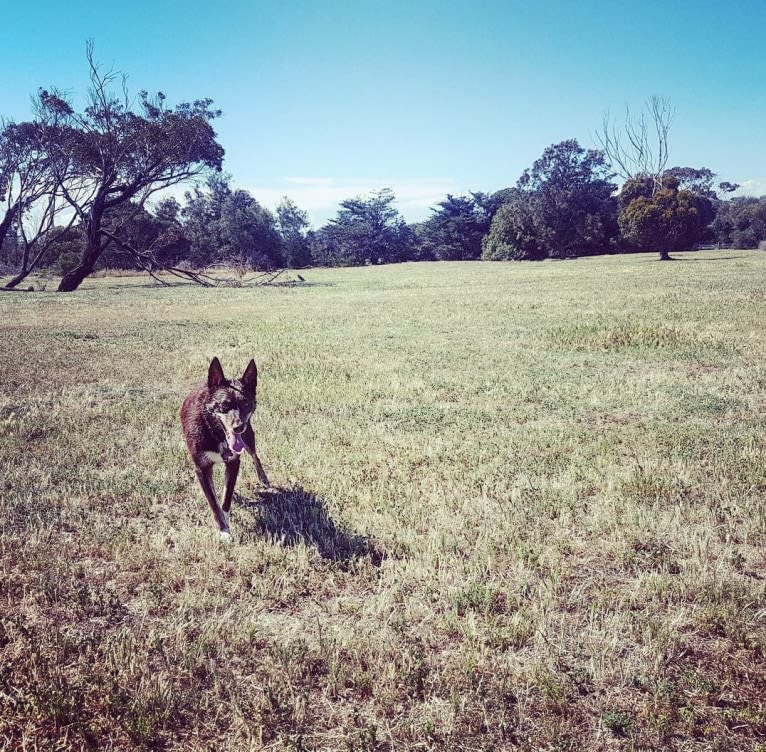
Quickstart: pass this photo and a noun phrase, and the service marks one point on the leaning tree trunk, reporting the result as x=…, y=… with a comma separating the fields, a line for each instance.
x=26, y=268
x=17, y=280
x=7, y=221
x=74, y=278
x=93, y=249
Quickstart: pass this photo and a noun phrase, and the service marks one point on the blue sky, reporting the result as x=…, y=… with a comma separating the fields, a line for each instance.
x=326, y=100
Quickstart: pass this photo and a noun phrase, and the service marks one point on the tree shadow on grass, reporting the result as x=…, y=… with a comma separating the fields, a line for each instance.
x=291, y=516
x=709, y=258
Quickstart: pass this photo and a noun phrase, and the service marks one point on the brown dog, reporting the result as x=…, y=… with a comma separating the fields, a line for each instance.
x=216, y=423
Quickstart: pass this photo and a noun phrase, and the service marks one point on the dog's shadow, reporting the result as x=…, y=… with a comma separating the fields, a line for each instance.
x=290, y=516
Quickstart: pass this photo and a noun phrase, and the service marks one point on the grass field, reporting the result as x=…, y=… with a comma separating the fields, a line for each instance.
x=520, y=507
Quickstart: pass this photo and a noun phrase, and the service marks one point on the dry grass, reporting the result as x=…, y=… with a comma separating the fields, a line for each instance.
x=522, y=507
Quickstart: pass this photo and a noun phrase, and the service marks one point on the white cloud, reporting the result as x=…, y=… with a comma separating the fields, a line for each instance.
x=751, y=187
x=320, y=196
x=308, y=181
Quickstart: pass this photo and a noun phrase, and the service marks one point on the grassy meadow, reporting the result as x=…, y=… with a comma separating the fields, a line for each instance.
x=518, y=507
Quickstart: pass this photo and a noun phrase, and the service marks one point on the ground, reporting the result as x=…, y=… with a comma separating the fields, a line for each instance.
x=519, y=507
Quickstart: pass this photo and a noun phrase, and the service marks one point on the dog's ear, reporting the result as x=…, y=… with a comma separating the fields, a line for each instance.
x=215, y=375
x=250, y=377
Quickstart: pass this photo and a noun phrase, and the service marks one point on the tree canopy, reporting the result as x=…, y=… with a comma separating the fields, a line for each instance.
x=562, y=206
x=515, y=233
x=293, y=224
x=366, y=230
x=455, y=229
x=571, y=190
x=668, y=219
x=224, y=224
x=741, y=222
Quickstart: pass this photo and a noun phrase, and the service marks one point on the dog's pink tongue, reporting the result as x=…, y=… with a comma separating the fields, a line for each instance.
x=238, y=446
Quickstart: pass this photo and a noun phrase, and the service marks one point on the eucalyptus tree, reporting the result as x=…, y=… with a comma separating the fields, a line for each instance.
x=116, y=152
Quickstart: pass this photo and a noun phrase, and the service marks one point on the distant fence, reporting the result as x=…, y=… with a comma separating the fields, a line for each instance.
x=720, y=246
x=712, y=246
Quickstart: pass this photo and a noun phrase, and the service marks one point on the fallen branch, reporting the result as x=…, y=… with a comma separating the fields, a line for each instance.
x=259, y=279
x=147, y=261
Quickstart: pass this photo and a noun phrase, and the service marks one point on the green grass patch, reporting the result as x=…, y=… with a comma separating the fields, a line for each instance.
x=519, y=507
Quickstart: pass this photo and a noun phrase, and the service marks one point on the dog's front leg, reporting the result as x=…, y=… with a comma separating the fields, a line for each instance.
x=248, y=438
x=205, y=477
x=231, y=473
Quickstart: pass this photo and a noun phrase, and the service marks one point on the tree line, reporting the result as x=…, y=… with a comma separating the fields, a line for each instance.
x=84, y=190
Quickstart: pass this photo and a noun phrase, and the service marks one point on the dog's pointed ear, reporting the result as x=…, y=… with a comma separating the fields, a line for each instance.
x=215, y=375
x=250, y=376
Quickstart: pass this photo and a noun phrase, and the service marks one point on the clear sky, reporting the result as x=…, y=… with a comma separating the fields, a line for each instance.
x=327, y=100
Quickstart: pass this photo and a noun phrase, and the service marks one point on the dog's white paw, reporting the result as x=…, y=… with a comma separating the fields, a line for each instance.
x=225, y=536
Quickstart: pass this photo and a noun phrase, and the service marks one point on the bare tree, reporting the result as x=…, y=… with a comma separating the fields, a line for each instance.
x=638, y=147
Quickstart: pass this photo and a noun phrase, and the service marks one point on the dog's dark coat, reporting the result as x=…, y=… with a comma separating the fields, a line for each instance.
x=216, y=424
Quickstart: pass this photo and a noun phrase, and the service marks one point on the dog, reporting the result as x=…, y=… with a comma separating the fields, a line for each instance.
x=216, y=423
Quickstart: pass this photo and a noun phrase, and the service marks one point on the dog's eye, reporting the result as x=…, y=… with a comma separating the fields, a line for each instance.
x=225, y=408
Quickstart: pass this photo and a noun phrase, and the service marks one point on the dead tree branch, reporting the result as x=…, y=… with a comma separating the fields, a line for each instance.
x=148, y=262
x=638, y=147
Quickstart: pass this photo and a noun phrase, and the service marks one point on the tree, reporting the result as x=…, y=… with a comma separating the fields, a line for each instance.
x=114, y=153
x=666, y=220
x=562, y=206
x=144, y=239
x=223, y=224
x=490, y=203
x=249, y=232
x=515, y=234
x=132, y=227
x=640, y=145
x=456, y=228
x=677, y=216
x=66, y=249
x=727, y=187
x=741, y=222
x=293, y=224
x=168, y=210
x=365, y=231
x=30, y=201
x=571, y=196
x=201, y=220
x=23, y=174
x=698, y=180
